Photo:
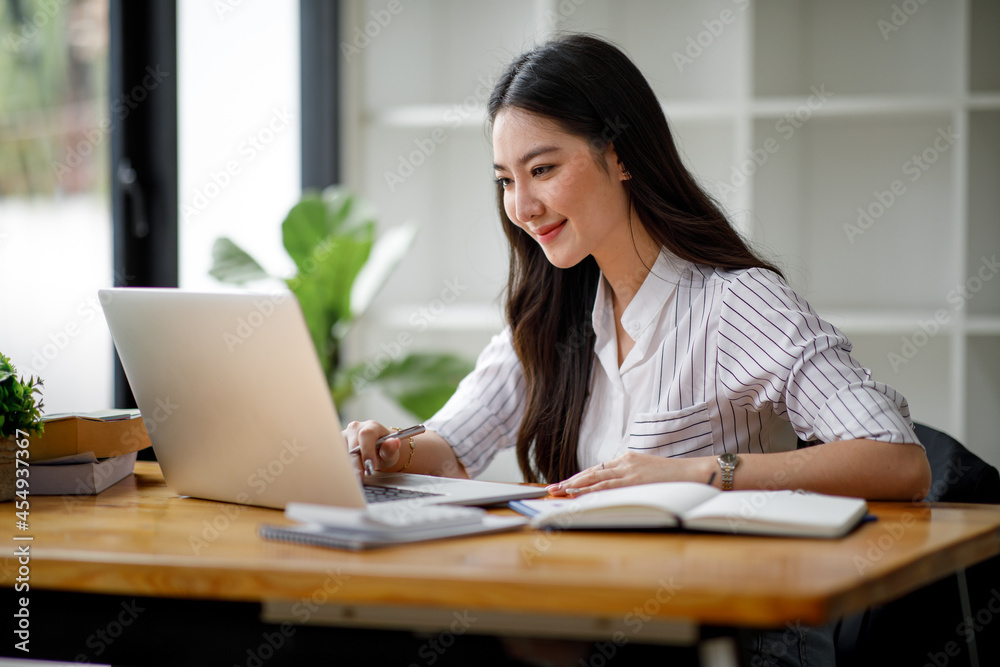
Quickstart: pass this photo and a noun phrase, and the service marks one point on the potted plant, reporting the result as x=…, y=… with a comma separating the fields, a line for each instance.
x=340, y=267
x=20, y=416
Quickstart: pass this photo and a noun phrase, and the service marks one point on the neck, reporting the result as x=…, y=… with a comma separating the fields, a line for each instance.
x=626, y=270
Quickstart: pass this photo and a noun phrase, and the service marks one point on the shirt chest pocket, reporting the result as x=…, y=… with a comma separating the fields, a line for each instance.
x=677, y=433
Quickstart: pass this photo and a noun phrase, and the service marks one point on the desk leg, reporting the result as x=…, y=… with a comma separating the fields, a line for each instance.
x=719, y=652
x=963, y=595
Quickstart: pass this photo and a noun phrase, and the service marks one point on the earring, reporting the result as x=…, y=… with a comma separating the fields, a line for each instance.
x=626, y=174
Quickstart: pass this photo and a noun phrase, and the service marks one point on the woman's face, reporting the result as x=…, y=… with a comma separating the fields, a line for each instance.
x=556, y=191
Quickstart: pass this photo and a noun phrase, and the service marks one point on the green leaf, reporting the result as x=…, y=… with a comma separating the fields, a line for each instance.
x=18, y=407
x=319, y=319
x=231, y=264
x=305, y=227
x=339, y=270
x=422, y=382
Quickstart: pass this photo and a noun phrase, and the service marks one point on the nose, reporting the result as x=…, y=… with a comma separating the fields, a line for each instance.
x=527, y=206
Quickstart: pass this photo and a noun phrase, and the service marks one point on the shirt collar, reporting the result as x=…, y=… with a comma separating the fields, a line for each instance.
x=647, y=303
x=655, y=293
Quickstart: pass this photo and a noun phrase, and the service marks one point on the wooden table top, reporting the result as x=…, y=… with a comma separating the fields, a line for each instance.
x=139, y=538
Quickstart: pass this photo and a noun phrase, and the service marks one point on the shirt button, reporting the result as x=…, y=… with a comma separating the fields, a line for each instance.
x=632, y=327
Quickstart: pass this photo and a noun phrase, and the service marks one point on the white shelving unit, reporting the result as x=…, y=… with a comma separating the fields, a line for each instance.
x=857, y=143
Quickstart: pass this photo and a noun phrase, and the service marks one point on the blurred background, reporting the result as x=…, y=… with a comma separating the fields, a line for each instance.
x=856, y=143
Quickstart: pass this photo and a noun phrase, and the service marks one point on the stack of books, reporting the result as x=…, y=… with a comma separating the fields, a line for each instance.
x=85, y=453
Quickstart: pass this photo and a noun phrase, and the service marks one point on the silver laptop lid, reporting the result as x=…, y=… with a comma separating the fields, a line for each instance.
x=233, y=396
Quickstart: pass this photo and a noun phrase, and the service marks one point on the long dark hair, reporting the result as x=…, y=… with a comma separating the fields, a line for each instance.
x=592, y=90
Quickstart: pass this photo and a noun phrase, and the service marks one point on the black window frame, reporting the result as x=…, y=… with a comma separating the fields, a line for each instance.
x=144, y=137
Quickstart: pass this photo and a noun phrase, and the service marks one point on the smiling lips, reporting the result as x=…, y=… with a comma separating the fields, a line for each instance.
x=548, y=233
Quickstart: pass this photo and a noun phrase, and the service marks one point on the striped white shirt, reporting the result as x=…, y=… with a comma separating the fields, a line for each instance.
x=723, y=361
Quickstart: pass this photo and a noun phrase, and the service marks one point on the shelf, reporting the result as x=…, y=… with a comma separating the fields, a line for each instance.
x=840, y=216
x=983, y=325
x=983, y=244
x=825, y=102
x=479, y=317
x=982, y=390
x=909, y=99
x=857, y=47
x=428, y=116
x=906, y=367
x=459, y=114
x=984, y=75
x=984, y=101
x=890, y=323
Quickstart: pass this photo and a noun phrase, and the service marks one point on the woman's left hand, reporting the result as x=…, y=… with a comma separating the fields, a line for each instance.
x=633, y=468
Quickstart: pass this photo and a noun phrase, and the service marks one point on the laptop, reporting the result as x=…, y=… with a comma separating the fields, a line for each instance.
x=237, y=408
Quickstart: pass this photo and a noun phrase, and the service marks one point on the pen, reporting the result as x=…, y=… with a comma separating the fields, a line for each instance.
x=404, y=433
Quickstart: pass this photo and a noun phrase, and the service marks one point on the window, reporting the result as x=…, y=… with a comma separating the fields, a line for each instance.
x=55, y=212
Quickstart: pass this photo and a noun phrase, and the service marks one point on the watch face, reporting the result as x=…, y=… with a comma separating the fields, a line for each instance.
x=729, y=459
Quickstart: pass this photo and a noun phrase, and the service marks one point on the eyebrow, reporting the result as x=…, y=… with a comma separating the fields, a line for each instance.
x=528, y=156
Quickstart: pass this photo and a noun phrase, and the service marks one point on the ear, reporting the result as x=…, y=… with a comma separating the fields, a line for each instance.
x=615, y=165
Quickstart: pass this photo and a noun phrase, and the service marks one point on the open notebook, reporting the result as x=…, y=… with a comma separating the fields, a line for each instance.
x=694, y=506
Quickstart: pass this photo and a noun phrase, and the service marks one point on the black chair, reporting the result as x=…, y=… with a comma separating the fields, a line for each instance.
x=926, y=626
x=958, y=475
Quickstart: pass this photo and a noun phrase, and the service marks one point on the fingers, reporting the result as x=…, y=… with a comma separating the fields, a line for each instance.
x=360, y=438
x=595, y=478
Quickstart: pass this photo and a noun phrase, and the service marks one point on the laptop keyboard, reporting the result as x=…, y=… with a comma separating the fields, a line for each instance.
x=381, y=494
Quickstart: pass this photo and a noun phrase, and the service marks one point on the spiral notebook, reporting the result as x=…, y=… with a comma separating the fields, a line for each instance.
x=381, y=526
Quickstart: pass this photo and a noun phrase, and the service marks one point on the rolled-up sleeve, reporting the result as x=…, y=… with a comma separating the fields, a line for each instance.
x=485, y=412
x=773, y=348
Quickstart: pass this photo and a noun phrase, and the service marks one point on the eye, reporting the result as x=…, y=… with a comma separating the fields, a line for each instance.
x=504, y=182
x=541, y=171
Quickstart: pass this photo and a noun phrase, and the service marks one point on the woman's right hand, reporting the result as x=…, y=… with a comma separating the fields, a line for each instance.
x=369, y=458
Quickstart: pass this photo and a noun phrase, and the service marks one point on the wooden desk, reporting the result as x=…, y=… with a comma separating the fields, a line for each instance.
x=138, y=538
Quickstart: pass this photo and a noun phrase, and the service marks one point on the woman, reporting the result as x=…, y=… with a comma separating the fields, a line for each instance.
x=645, y=340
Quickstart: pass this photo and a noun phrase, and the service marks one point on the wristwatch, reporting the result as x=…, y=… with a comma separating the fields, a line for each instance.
x=728, y=462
